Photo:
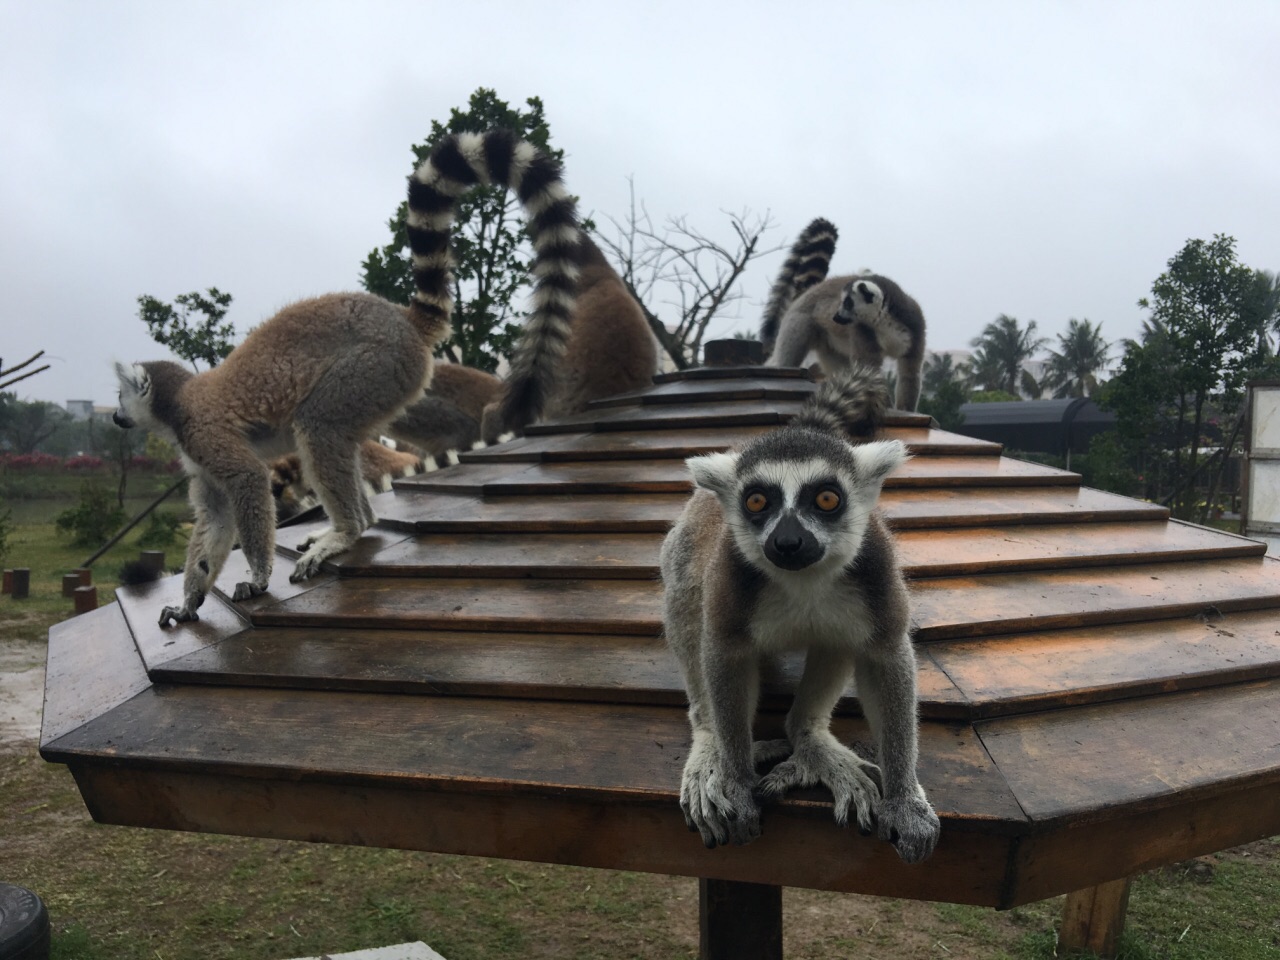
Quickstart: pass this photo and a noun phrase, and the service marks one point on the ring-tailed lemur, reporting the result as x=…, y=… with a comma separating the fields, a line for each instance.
x=781, y=548
x=351, y=362
x=807, y=264
x=605, y=349
x=379, y=466
x=851, y=319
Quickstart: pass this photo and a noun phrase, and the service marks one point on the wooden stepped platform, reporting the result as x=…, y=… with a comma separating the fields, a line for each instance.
x=483, y=673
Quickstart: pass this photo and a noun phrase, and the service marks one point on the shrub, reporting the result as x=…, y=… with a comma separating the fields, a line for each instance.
x=161, y=530
x=94, y=518
x=30, y=462
x=85, y=464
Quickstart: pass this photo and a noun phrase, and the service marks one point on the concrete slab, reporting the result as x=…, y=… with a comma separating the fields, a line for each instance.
x=400, y=951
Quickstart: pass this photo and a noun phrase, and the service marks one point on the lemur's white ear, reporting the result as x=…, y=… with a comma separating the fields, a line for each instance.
x=879, y=459
x=134, y=375
x=714, y=471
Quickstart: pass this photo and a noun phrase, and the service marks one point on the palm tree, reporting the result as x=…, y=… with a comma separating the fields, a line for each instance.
x=1264, y=305
x=939, y=370
x=1000, y=352
x=1081, y=355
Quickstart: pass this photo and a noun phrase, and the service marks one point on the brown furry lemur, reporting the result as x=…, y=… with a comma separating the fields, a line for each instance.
x=324, y=374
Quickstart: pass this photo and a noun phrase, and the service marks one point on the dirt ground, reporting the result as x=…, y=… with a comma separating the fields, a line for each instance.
x=21, y=694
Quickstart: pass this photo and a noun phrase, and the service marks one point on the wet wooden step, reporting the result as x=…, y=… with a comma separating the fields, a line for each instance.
x=601, y=668
x=978, y=606
x=466, y=745
x=716, y=413
x=1050, y=670
x=942, y=608
x=929, y=553
x=672, y=476
x=1072, y=763
x=702, y=391
x=679, y=444
x=734, y=373
x=532, y=606
x=932, y=508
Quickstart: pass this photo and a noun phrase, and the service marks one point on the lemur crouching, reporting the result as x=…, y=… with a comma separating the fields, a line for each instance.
x=861, y=318
x=781, y=548
x=325, y=374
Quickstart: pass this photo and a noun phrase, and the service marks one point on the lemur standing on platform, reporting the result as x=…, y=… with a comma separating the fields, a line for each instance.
x=781, y=548
x=325, y=374
x=851, y=319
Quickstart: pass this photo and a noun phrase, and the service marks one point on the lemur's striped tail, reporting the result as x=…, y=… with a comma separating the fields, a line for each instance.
x=807, y=264
x=458, y=163
x=851, y=401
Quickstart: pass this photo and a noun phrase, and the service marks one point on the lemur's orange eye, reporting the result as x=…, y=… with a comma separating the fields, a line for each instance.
x=756, y=502
x=827, y=500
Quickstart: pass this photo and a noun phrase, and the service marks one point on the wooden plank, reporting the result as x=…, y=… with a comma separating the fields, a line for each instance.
x=931, y=553
x=658, y=444
x=1093, y=918
x=1041, y=671
x=942, y=508
x=938, y=553
x=702, y=391
x=672, y=476
x=1080, y=763
x=538, y=606
x=733, y=373
x=600, y=668
x=92, y=666
x=739, y=921
x=1122, y=841
x=141, y=606
x=612, y=752
x=631, y=556
x=724, y=413
x=905, y=509
x=979, y=606
x=799, y=848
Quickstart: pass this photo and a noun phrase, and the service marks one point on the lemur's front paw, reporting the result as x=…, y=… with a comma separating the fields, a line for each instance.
x=721, y=808
x=181, y=614
x=308, y=566
x=246, y=590
x=835, y=766
x=910, y=824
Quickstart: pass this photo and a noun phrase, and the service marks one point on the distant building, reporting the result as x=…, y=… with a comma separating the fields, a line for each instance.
x=87, y=409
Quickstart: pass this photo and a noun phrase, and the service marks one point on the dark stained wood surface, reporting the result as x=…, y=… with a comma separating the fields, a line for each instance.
x=672, y=476
x=483, y=673
x=597, y=667
x=1079, y=762
x=659, y=444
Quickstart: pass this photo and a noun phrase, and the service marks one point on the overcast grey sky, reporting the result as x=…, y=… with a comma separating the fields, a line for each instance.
x=1039, y=159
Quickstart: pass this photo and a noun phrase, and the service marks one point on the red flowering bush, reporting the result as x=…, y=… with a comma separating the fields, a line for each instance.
x=85, y=464
x=30, y=462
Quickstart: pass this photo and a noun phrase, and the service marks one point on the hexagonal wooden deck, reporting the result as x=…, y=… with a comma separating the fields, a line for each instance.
x=484, y=672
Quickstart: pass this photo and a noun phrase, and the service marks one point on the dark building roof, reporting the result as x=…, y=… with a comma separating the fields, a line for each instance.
x=1040, y=426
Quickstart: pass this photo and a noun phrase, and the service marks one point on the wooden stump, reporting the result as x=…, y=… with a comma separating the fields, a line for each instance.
x=85, y=575
x=8, y=582
x=21, y=583
x=1093, y=919
x=739, y=921
x=86, y=599
x=70, y=583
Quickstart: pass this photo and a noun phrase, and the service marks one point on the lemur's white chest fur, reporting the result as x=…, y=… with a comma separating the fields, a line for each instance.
x=798, y=612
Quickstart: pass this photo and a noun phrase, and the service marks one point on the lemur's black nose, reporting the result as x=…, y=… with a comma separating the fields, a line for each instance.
x=787, y=544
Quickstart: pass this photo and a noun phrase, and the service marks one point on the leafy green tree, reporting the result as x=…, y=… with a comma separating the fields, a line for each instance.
x=1185, y=379
x=204, y=339
x=1081, y=355
x=490, y=244
x=1264, y=308
x=1000, y=352
x=25, y=425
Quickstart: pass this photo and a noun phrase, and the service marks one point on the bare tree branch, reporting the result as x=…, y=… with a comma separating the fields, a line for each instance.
x=696, y=275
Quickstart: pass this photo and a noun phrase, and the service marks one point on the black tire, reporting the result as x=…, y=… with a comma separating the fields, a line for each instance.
x=24, y=925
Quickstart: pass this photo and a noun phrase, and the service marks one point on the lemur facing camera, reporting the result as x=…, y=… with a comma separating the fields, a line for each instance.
x=861, y=318
x=781, y=548
x=325, y=374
